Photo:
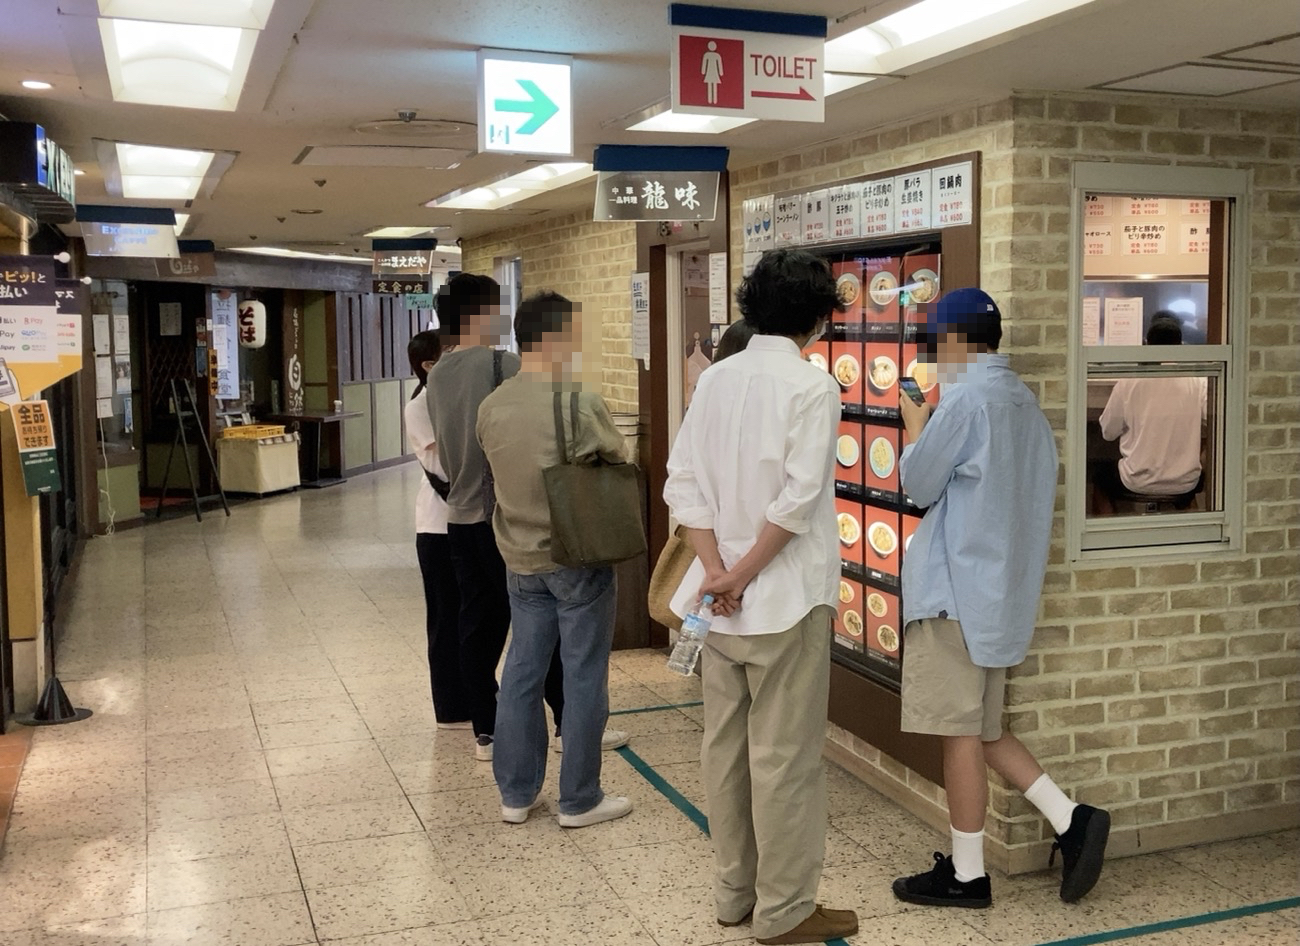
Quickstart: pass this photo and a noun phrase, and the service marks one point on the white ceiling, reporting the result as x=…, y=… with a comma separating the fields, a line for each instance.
x=324, y=66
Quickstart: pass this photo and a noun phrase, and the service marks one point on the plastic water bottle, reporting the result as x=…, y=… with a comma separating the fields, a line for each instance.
x=695, y=627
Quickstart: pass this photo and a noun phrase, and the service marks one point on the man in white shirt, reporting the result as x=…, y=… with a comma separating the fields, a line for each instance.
x=750, y=476
x=1158, y=424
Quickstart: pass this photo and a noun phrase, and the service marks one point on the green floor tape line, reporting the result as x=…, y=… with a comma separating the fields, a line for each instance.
x=656, y=709
x=680, y=801
x=1165, y=926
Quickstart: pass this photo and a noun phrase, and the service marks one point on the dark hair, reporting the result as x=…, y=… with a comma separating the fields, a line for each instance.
x=788, y=293
x=544, y=313
x=1166, y=329
x=734, y=340
x=423, y=346
x=461, y=295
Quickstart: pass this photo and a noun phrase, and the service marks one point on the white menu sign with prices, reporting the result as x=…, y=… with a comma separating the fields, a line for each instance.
x=953, y=206
x=1196, y=238
x=1098, y=238
x=1145, y=239
x=641, y=317
x=1097, y=208
x=787, y=220
x=816, y=217
x=846, y=211
x=913, y=202
x=878, y=207
x=1144, y=207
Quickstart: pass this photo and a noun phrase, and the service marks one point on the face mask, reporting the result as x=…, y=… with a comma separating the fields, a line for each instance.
x=821, y=330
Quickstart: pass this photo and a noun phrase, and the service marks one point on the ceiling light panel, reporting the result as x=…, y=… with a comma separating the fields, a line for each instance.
x=246, y=14
x=1284, y=52
x=674, y=122
x=300, y=254
x=400, y=233
x=152, y=173
x=517, y=187
x=1195, y=79
x=177, y=64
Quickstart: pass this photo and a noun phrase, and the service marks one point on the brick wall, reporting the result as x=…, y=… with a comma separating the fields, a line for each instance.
x=589, y=262
x=1167, y=690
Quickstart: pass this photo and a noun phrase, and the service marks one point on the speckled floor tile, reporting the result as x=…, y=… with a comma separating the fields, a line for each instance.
x=1256, y=869
x=463, y=806
x=386, y=905
x=242, y=834
x=335, y=787
x=608, y=924
x=1270, y=929
x=311, y=733
x=175, y=747
x=115, y=931
x=361, y=860
x=653, y=820
x=669, y=865
x=373, y=818
x=326, y=756
x=209, y=769
x=537, y=883
x=324, y=710
x=684, y=918
x=174, y=884
x=449, y=934
x=277, y=920
x=497, y=844
x=252, y=797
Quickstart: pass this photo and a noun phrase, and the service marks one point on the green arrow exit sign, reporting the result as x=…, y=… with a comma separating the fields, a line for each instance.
x=525, y=103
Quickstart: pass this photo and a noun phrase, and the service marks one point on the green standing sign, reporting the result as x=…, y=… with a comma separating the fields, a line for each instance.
x=36, y=451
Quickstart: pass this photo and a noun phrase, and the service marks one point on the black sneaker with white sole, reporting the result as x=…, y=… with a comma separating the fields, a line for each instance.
x=939, y=887
x=1083, y=848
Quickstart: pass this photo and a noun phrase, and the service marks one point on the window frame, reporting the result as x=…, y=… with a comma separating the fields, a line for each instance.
x=1168, y=534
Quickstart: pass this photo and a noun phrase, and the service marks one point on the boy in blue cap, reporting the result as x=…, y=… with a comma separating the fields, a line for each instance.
x=984, y=463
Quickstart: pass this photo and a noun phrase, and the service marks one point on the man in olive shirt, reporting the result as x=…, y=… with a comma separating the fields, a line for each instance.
x=549, y=603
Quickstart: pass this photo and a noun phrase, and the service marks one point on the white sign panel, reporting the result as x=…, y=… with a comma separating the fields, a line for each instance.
x=641, y=317
x=157, y=241
x=1124, y=321
x=1097, y=208
x=1098, y=238
x=1091, y=321
x=225, y=339
x=953, y=204
x=846, y=211
x=717, y=287
x=757, y=214
x=27, y=334
x=525, y=103
x=742, y=63
x=1144, y=239
x=816, y=217
x=787, y=220
x=1196, y=238
x=878, y=208
x=912, y=202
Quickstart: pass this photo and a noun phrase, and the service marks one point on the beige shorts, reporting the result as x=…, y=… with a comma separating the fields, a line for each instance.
x=944, y=693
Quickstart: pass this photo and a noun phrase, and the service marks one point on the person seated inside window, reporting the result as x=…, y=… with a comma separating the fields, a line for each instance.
x=1159, y=423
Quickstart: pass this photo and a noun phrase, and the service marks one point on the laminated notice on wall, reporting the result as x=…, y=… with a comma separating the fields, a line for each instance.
x=878, y=208
x=1091, y=321
x=846, y=211
x=1124, y=321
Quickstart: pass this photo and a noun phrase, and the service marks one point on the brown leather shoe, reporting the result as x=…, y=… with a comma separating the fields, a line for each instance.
x=824, y=924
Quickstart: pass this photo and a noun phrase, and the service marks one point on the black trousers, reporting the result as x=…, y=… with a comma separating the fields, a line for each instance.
x=484, y=622
x=441, y=626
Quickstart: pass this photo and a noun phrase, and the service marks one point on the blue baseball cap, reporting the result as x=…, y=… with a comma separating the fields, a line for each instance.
x=972, y=312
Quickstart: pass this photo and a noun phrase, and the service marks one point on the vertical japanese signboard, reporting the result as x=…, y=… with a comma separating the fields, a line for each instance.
x=225, y=346
x=36, y=451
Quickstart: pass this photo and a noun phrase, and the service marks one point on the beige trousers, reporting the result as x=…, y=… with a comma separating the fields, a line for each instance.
x=765, y=704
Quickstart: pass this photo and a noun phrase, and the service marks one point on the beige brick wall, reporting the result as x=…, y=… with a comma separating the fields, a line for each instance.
x=591, y=263
x=1168, y=690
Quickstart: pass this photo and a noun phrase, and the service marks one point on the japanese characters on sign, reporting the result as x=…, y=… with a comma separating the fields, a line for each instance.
x=953, y=206
x=1196, y=238
x=846, y=211
x=641, y=317
x=252, y=324
x=1144, y=239
x=816, y=217
x=1196, y=208
x=70, y=300
x=1097, y=207
x=787, y=220
x=1123, y=321
x=36, y=447
x=1098, y=239
x=403, y=286
x=225, y=346
x=1144, y=207
x=757, y=214
x=657, y=195
x=402, y=263
x=912, y=202
x=28, y=315
x=878, y=207
x=186, y=266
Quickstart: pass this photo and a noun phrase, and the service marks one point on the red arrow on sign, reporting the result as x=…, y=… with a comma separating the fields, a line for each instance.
x=803, y=95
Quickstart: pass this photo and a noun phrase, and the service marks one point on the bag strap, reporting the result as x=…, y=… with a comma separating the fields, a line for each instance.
x=498, y=356
x=559, y=429
x=573, y=420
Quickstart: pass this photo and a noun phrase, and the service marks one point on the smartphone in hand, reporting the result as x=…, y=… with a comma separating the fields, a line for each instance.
x=912, y=390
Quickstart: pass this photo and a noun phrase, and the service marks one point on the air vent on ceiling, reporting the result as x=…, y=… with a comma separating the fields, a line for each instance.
x=381, y=156
x=1202, y=79
x=1282, y=51
x=406, y=125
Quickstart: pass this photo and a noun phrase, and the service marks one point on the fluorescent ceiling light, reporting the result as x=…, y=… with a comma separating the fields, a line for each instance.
x=930, y=18
x=36, y=84
x=516, y=187
x=154, y=173
x=673, y=122
x=249, y=14
x=401, y=233
x=182, y=220
x=177, y=64
x=300, y=254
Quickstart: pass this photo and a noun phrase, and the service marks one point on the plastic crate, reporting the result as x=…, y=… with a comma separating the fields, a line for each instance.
x=253, y=431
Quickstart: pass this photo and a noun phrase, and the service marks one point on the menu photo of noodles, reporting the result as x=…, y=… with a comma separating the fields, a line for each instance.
x=881, y=543
x=849, y=516
x=849, y=460
x=846, y=368
x=921, y=285
x=880, y=468
x=851, y=621
x=880, y=281
x=884, y=631
x=848, y=284
x=880, y=375
x=819, y=355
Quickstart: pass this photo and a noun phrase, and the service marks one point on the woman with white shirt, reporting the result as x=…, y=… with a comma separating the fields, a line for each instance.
x=442, y=600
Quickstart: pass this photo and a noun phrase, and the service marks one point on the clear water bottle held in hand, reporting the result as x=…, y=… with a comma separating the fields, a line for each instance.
x=695, y=627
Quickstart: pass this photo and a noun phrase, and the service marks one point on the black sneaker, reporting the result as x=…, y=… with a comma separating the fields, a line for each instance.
x=1082, y=849
x=941, y=888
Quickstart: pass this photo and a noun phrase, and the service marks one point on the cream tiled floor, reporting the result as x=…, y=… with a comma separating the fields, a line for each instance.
x=262, y=769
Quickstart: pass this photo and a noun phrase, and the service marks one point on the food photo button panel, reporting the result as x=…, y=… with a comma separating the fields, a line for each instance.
x=884, y=623
x=921, y=283
x=924, y=373
x=819, y=355
x=910, y=525
x=849, y=461
x=848, y=285
x=880, y=374
x=880, y=541
x=849, y=518
x=880, y=465
x=852, y=623
x=846, y=368
x=880, y=277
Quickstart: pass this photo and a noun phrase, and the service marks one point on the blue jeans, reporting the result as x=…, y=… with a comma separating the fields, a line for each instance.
x=574, y=607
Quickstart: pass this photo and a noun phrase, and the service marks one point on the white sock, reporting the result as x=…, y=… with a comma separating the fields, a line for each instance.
x=1051, y=801
x=968, y=855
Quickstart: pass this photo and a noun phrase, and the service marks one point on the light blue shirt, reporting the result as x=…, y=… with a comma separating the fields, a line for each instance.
x=986, y=467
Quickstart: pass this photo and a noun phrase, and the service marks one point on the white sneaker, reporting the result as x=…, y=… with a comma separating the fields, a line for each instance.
x=465, y=725
x=520, y=815
x=611, y=809
x=610, y=739
x=483, y=748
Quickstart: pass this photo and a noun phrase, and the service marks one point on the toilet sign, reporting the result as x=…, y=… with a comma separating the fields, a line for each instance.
x=748, y=63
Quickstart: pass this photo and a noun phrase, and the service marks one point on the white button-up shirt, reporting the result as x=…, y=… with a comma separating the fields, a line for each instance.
x=758, y=446
x=1158, y=424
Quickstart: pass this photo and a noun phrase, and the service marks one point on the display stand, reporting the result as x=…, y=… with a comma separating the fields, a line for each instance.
x=187, y=412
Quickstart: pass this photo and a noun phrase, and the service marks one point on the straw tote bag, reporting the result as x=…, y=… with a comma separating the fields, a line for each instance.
x=670, y=570
x=595, y=508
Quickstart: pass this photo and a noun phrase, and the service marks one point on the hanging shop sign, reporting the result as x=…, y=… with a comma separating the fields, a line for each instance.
x=129, y=231
x=39, y=170
x=252, y=324
x=747, y=63
x=658, y=182
x=295, y=353
x=525, y=102
x=225, y=347
x=402, y=263
x=408, y=285
x=36, y=452
x=187, y=266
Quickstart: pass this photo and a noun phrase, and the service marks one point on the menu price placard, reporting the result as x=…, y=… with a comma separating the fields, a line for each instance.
x=787, y=220
x=913, y=202
x=1145, y=239
x=878, y=208
x=846, y=211
x=953, y=205
x=816, y=217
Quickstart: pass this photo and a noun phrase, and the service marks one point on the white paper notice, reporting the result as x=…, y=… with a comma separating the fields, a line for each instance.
x=103, y=376
x=913, y=201
x=1124, y=321
x=759, y=234
x=122, y=334
x=953, y=206
x=641, y=317
x=225, y=338
x=1091, y=321
x=103, y=407
x=846, y=211
x=169, y=318
x=1144, y=239
x=816, y=217
x=1098, y=208
x=99, y=322
x=27, y=334
x=1098, y=238
x=787, y=220
x=878, y=208
x=717, y=287
x=1196, y=238
x=219, y=343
